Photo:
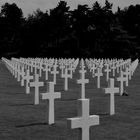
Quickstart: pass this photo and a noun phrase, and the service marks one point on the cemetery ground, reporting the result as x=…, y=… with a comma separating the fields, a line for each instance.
x=20, y=119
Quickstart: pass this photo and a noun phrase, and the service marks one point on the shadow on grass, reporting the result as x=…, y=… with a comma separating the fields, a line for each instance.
x=32, y=124
x=21, y=104
x=68, y=100
x=103, y=114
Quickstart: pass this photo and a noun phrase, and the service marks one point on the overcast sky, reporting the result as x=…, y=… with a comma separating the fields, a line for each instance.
x=28, y=6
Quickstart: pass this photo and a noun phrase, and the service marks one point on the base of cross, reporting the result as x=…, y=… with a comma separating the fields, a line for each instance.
x=125, y=93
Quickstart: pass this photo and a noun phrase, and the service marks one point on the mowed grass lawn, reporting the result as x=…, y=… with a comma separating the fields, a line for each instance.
x=20, y=119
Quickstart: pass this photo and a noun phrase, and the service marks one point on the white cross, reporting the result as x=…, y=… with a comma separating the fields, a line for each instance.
x=71, y=70
x=66, y=76
x=18, y=72
x=54, y=72
x=98, y=74
x=84, y=120
x=62, y=69
x=93, y=68
x=82, y=65
x=36, y=84
x=113, y=68
x=27, y=78
x=83, y=81
x=130, y=72
x=40, y=69
x=15, y=67
x=46, y=69
x=111, y=90
x=107, y=70
x=121, y=79
x=118, y=66
x=13, y=70
x=22, y=76
x=31, y=66
x=35, y=67
x=51, y=96
x=127, y=74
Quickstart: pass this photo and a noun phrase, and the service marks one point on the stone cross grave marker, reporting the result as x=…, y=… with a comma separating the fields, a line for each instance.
x=51, y=95
x=40, y=69
x=46, y=69
x=22, y=76
x=62, y=67
x=54, y=72
x=27, y=78
x=113, y=69
x=36, y=84
x=31, y=65
x=82, y=81
x=18, y=72
x=15, y=70
x=107, y=70
x=71, y=71
x=84, y=120
x=130, y=74
x=98, y=74
x=117, y=65
x=66, y=76
x=127, y=74
x=111, y=90
x=121, y=79
x=92, y=69
x=35, y=67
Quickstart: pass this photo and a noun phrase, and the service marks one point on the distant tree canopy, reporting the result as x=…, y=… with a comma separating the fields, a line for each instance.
x=62, y=32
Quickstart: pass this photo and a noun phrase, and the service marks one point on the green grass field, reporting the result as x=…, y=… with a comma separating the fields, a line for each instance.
x=20, y=119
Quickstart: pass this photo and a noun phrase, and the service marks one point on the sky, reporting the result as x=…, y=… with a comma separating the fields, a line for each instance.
x=28, y=6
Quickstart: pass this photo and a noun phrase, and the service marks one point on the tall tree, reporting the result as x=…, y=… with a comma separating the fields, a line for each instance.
x=12, y=13
x=12, y=19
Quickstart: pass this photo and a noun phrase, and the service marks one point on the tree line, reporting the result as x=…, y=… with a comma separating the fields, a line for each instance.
x=95, y=32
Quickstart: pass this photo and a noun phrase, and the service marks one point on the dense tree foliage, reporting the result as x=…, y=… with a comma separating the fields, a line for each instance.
x=61, y=32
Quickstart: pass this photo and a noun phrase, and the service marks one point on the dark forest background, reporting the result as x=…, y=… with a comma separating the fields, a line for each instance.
x=60, y=32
